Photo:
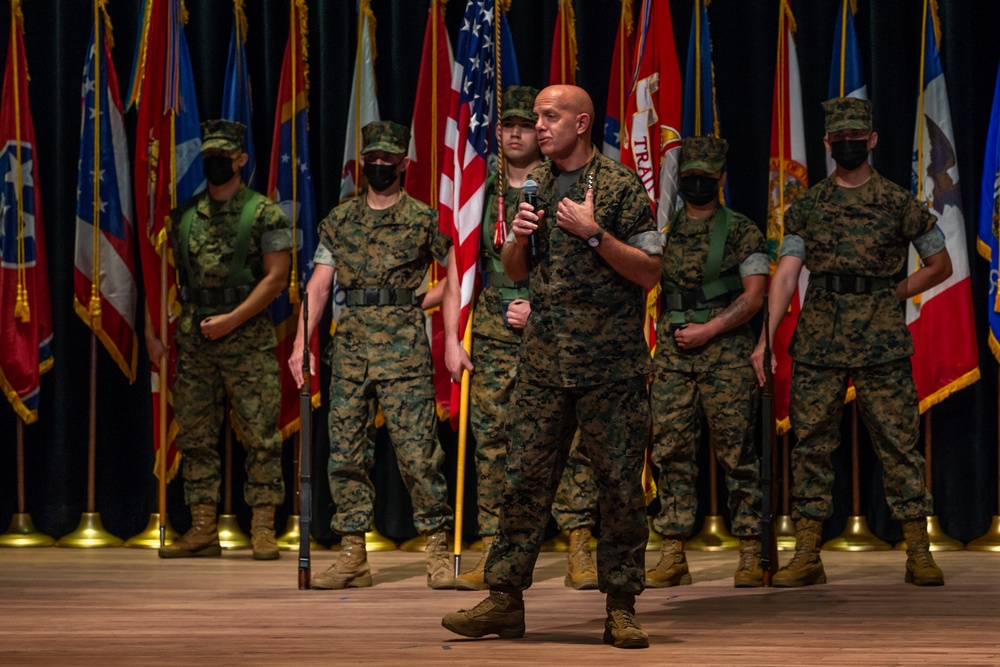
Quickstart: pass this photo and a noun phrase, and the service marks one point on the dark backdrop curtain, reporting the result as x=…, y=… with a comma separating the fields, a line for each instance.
x=744, y=34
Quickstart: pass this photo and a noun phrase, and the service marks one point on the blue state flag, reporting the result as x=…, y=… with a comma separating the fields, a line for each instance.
x=236, y=103
x=846, y=77
x=989, y=218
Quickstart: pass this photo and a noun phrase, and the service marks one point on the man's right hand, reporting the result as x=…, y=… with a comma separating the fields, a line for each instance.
x=295, y=365
x=155, y=349
x=757, y=361
x=517, y=313
x=456, y=360
x=525, y=222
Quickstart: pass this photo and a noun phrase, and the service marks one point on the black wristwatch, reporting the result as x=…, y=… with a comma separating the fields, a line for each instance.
x=595, y=240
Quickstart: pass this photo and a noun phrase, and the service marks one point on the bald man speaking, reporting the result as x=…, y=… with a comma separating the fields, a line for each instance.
x=583, y=364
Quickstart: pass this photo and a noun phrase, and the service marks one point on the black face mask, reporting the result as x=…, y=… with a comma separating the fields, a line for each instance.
x=698, y=189
x=849, y=153
x=380, y=176
x=218, y=169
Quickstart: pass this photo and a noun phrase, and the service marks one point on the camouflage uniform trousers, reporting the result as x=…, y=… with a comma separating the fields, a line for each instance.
x=208, y=371
x=887, y=401
x=614, y=426
x=575, y=504
x=728, y=399
x=410, y=417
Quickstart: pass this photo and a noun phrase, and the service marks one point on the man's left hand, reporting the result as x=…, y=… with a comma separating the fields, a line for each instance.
x=693, y=336
x=577, y=219
x=215, y=327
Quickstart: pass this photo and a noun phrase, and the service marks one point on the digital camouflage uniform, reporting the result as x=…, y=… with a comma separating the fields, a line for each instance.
x=715, y=380
x=862, y=231
x=583, y=364
x=241, y=365
x=494, y=355
x=380, y=355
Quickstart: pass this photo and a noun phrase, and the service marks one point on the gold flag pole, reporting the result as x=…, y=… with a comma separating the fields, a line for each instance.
x=991, y=540
x=22, y=532
x=714, y=535
x=230, y=535
x=856, y=536
x=90, y=532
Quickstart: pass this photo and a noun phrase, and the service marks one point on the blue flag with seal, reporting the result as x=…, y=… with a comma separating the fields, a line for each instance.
x=846, y=77
x=988, y=243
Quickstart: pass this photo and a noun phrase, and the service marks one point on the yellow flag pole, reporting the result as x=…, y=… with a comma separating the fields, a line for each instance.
x=22, y=311
x=463, y=434
x=293, y=283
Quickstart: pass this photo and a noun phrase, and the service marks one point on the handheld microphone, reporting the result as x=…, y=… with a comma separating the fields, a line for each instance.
x=530, y=192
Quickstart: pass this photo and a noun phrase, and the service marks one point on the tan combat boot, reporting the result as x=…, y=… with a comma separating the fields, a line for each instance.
x=580, y=572
x=502, y=613
x=620, y=627
x=672, y=570
x=748, y=572
x=805, y=568
x=920, y=566
x=265, y=547
x=440, y=574
x=201, y=540
x=475, y=579
x=350, y=570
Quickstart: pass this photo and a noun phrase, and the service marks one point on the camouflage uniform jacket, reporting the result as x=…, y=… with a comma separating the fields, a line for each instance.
x=488, y=321
x=585, y=327
x=684, y=259
x=370, y=249
x=863, y=231
x=212, y=244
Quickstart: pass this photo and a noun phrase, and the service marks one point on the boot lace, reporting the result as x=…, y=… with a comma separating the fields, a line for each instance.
x=624, y=619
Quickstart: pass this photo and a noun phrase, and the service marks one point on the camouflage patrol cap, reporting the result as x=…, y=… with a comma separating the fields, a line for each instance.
x=705, y=153
x=224, y=135
x=519, y=102
x=847, y=113
x=385, y=135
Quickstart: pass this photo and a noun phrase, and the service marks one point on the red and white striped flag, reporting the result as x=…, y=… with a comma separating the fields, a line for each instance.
x=788, y=178
x=467, y=141
x=945, y=357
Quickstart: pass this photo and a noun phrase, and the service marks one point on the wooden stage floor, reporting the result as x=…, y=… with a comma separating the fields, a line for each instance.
x=127, y=607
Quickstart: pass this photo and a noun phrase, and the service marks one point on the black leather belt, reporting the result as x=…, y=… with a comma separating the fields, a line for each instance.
x=380, y=296
x=220, y=296
x=848, y=284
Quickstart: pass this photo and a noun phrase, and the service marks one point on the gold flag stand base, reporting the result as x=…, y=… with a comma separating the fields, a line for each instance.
x=939, y=540
x=856, y=537
x=290, y=540
x=476, y=546
x=150, y=537
x=89, y=534
x=419, y=543
x=557, y=543
x=22, y=533
x=785, y=532
x=714, y=536
x=375, y=541
x=655, y=539
x=988, y=542
x=231, y=537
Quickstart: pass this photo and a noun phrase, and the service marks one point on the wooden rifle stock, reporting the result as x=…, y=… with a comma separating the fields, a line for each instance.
x=305, y=453
x=768, y=459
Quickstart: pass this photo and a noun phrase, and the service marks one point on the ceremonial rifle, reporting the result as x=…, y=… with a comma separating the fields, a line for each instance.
x=769, y=453
x=305, y=452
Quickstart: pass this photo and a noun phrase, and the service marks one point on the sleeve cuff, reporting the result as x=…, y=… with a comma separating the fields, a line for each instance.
x=650, y=242
x=756, y=264
x=793, y=245
x=323, y=256
x=276, y=240
x=930, y=243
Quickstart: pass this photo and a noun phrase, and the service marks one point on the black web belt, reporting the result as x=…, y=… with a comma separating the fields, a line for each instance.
x=693, y=301
x=219, y=296
x=380, y=296
x=848, y=284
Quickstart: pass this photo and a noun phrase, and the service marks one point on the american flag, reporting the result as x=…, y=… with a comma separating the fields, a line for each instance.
x=105, y=265
x=467, y=140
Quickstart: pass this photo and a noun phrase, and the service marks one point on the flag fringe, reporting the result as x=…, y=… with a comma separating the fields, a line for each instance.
x=786, y=7
x=569, y=15
x=504, y=5
x=984, y=250
x=936, y=21
x=127, y=367
x=303, y=14
x=18, y=14
x=27, y=415
x=294, y=426
x=628, y=16
x=175, y=466
x=944, y=392
x=241, y=21
x=994, y=346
